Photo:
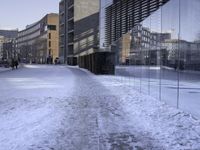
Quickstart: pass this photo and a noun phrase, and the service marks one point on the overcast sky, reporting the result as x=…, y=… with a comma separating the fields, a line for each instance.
x=18, y=13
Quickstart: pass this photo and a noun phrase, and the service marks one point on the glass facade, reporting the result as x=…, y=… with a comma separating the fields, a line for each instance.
x=161, y=55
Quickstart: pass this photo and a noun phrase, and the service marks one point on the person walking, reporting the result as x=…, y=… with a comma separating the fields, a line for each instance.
x=13, y=64
x=16, y=64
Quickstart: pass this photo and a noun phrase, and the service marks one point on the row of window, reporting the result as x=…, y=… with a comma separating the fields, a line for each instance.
x=34, y=34
x=28, y=31
x=29, y=37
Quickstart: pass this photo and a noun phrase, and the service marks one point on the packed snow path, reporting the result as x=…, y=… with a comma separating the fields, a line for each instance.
x=59, y=108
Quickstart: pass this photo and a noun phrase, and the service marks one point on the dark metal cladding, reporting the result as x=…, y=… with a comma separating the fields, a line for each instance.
x=123, y=15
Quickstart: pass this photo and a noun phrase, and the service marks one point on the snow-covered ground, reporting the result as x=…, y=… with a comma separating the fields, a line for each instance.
x=32, y=106
x=2, y=69
x=64, y=108
x=163, y=125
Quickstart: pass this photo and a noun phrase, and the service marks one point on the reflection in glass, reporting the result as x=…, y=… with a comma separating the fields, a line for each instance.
x=161, y=54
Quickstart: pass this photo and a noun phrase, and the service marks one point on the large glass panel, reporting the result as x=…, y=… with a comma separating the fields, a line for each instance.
x=145, y=57
x=154, y=53
x=160, y=56
x=189, y=62
x=136, y=57
x=170, y=52
x=122, y=50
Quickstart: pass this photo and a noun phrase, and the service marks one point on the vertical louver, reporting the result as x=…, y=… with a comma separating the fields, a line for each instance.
x=123, y=15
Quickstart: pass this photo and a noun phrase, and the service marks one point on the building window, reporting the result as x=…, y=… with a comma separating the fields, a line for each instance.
x=49, y=35
x=49, y=43
x=51, y=27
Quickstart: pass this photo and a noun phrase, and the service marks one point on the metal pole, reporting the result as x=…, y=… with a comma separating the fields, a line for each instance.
x=160, y=84
x=178, y=73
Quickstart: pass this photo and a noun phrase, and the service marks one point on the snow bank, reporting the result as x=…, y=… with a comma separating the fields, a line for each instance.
x=170, y=127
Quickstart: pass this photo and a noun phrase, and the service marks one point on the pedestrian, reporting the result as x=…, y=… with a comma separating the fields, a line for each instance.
x=12, y=63
x=55, y=61
x=16, y=64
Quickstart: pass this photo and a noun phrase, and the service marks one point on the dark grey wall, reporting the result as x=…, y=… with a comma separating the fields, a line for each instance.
x=86, y=33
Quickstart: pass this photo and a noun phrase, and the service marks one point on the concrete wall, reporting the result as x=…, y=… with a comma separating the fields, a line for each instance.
x=85, y=8
x=86, y=25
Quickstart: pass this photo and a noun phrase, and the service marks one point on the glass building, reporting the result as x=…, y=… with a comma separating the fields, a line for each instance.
x=157, y=45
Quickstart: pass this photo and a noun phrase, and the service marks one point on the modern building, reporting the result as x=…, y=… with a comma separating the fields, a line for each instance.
x=164, y=57
x=39, y=42
x=158, y=38
x=121, y=16
x=79, y=36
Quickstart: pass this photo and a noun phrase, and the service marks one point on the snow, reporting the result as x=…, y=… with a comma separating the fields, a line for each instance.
x=171, y=128
x=66, y=108
x=2, y=69
x=32, y=106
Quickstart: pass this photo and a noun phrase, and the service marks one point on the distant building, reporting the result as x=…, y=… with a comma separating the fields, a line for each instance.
x=8, y=37
x=2, y=40
x=39, y=42
x=9, y=50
